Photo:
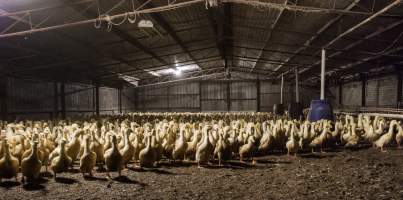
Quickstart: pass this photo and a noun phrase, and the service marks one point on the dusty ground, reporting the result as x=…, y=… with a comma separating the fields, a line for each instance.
x=342, y=174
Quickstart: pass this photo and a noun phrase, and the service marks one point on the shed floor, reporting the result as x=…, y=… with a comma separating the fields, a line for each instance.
x=342, y=174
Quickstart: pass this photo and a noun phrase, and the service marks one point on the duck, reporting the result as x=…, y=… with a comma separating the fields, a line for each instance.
x=191, y=146
x=205, y=150
x=113, y=158
x=386, y=138
x=320, y=140
x=43, y=153
x=147, y=155
x=74, y=146
x=127, y=151
x=31, y=165
x=88, y=159
x=62, y=162
x=247, y=150
x=97, y=148
x=292, y=145
x=9, y=165
x=180, y=146
x=265, y=141
x=399, y=136
x=352, y=139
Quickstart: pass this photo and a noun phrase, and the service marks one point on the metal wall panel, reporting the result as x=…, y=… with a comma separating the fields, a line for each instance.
x=213, y=90
x=371, y=93
x=243, y=105
x=30, y=96
x=188, y=88
x=153, y=98
x=128, y=99
x=334, y=96
x=184, y=96
x=108, y=100
x=79, y=97
x=243, y=90
x=270, y=95
x=352, y=94
x=388, y=91
x=214, y=105
x=214, y=96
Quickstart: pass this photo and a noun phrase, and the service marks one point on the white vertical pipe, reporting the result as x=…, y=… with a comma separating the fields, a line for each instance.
x=281, y=89
x=296, y=86
x=322, y=76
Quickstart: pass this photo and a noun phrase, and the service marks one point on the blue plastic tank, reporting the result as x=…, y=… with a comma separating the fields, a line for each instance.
x=320, y=109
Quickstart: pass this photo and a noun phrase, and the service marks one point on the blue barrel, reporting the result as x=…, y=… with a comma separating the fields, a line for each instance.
x=320, y=109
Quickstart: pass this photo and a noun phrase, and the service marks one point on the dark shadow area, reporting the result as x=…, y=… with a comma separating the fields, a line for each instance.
x=127, y=180
x=46, y=174
x=176, y=164
x=93, y=178
x=64, y=180
x=9, y=184
x=100, y=168
x=317, y=155
x=33, y=186
x=73, y=170
x=154, y=170
x=267, y=161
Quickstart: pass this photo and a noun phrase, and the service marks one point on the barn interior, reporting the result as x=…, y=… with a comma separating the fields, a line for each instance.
x=188, y=82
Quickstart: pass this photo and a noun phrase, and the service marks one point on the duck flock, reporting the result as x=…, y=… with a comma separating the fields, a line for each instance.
x=146, y=139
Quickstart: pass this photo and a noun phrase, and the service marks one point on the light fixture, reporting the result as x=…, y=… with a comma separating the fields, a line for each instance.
x=177, y=72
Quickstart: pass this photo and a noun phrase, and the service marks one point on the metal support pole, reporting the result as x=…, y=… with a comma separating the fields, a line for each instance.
x=228, y=96
x=363, y=89
x=97, y=99
x=258, y=95
x=341, y=94
x=281, y=89
x=399, y=89
x=120, y=100
x=63, y=100
x=322, y=76
x=4, y=99
x=55, y=100
x=136, y=100
x=168, y=107
x=296, y=86
x=200, y=96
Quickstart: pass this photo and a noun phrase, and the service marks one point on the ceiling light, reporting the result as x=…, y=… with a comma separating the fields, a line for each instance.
x=177, y=72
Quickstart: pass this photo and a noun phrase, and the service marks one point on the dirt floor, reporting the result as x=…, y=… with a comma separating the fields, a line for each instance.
x=341, y=174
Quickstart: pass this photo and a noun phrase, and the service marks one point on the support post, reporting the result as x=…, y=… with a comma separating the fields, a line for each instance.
x=341, y=93
x=322, y=75
x=136, y=100
x=55, y=100
x=296, y=86
x=200, y=96
x=281, y=89
x=168, y=93
x=4, y=99
x=228, y=96
x=63, y=100
x=97, y=99
x=399, y=87
x=258, y=95
x=363, y=89
x=120, y=100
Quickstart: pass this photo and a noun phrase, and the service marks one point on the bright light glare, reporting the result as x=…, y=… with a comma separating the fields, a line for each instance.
x=177, y=72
